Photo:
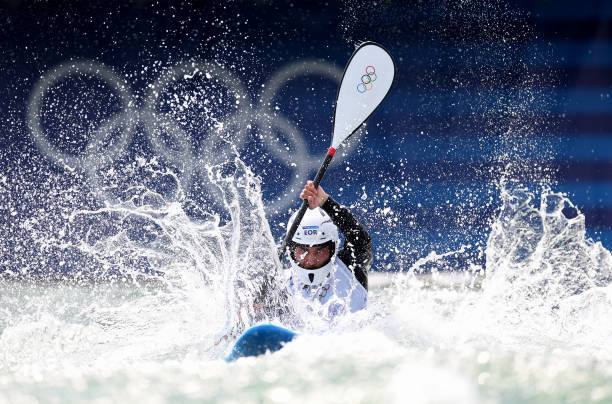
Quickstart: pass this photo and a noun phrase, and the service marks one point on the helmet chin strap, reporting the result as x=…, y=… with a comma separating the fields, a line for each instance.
x=314, y=277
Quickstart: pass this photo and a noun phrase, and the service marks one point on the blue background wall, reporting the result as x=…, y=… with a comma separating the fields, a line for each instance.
x=517, y=91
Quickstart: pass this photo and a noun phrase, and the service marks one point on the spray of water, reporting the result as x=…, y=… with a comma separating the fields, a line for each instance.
x=158, y=291
x=138, y=295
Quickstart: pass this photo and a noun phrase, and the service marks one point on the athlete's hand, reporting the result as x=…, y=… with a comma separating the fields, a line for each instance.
x=316, y=197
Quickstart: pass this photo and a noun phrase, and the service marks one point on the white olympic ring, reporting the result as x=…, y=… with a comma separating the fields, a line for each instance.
x=190, y=159
x=301, y=165
x=71, y=68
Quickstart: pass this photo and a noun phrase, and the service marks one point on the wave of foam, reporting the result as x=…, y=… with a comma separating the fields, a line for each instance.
x=547, y=285
x=168, y=288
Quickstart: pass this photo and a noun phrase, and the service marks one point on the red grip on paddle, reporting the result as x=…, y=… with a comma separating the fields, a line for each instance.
x=331, y=151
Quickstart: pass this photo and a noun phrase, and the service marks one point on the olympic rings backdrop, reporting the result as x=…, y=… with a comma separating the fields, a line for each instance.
x=514, y=91
x=247, y=116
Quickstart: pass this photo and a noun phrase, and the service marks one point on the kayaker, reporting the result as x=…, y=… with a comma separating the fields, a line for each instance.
x=319, y=268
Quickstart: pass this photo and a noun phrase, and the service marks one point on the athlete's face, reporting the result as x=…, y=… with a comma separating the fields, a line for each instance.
x=312, y=257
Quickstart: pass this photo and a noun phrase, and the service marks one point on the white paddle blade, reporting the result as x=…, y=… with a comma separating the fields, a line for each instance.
x=366, y=81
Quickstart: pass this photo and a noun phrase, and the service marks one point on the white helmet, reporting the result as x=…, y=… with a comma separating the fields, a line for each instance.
x=316, y=228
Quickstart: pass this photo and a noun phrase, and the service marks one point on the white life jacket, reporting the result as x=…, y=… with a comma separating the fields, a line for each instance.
x=340, y=292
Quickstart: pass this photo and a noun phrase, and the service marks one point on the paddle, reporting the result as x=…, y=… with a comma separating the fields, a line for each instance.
x=365, y=83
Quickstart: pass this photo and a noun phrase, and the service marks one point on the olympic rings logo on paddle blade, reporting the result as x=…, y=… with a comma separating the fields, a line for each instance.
x=231, y=132
x=367, y=79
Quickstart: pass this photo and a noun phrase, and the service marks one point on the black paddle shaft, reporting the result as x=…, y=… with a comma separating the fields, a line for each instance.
x=302, y=211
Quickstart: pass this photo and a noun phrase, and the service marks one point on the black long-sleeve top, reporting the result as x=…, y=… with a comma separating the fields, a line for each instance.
x=357, y=251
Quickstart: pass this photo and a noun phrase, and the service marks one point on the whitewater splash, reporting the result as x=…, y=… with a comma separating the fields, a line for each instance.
x=545, y=248
x=168, y=289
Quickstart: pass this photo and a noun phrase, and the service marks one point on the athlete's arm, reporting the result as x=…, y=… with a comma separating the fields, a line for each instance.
x=357, y=251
